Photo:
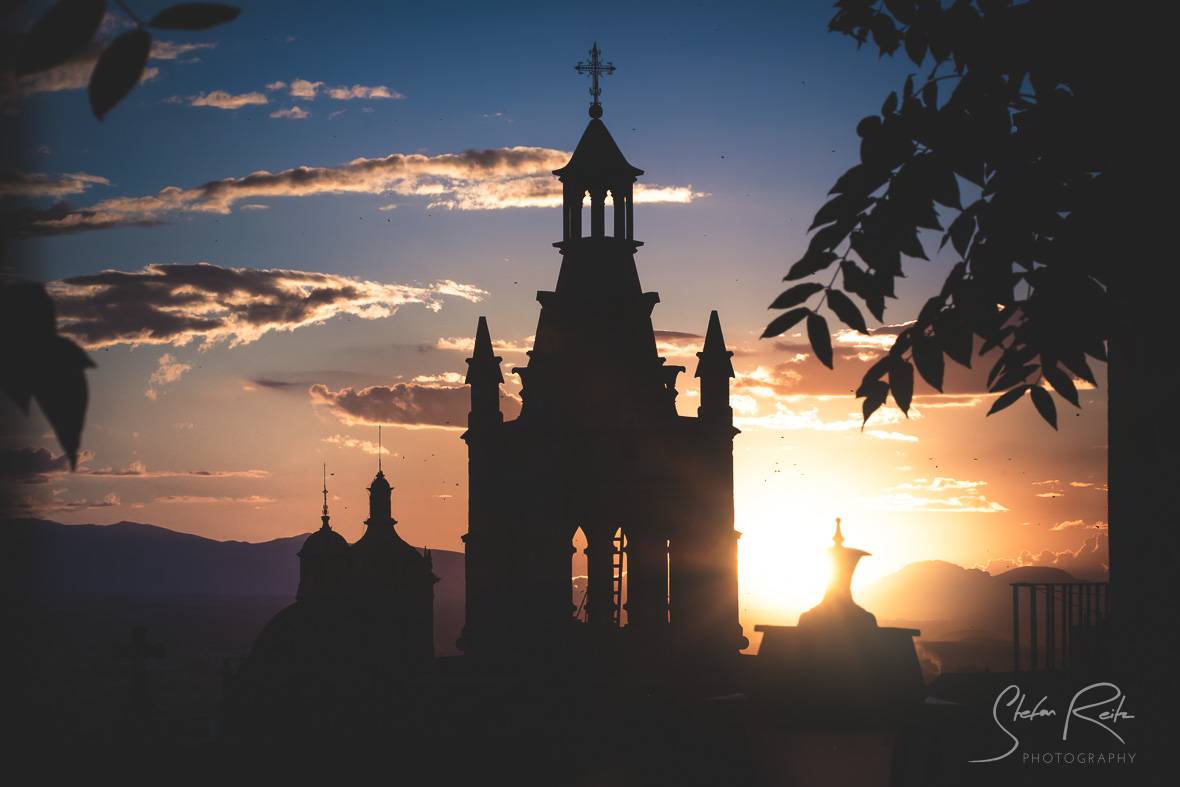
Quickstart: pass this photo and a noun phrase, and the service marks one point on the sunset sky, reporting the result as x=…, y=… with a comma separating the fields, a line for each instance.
x=408, y=147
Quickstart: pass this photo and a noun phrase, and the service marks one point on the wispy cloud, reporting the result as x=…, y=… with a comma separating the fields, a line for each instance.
x=345, y=93
x=253, y=500
x=32, y=185
x=472, y=180
x=404, y=404
x=293, y=113
x=138, y=470
x=174, y=50
x=939, y=495
x=466, y=344
x=178, y=303
x=367, y=446
x=168, y=371
x=220, y=99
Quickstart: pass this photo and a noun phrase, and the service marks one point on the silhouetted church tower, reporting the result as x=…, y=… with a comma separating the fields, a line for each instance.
x=599, y=446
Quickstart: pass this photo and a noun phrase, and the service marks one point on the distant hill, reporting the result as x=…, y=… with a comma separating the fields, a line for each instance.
x=42, y=558
x=946, y=600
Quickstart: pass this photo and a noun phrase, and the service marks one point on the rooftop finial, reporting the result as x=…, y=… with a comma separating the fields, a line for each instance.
x=324, y=513
x=838, y=539
x=595, y=68
x=378, y=448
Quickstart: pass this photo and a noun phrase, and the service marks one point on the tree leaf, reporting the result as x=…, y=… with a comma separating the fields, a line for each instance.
x=58, y=35
x=1043, y=401
x=784, y=322
x=928, y=358
x=60, y=391
x=812, y=262
x=1061, y=383
x=915, y=44
x=960, y=232
x=901, y=384
x=194, y=16
x=875, y=392
x=796, y=295
x=820, y=339
x=1008, y=398
x=846, y=310
x=118, y=70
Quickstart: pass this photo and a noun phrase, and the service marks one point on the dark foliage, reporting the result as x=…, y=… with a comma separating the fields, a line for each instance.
x=1000, y=120
x=69, y=25
x=37, y=363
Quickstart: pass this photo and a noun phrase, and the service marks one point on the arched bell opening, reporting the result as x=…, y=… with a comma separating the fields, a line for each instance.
x=579, y=577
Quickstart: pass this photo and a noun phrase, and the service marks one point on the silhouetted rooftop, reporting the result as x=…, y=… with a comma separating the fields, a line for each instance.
x=597, y=158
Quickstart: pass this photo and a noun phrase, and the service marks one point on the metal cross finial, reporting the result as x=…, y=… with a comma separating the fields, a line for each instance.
x=595, y=68
x=325, y=514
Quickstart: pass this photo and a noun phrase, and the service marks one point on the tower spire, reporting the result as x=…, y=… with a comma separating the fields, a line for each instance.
x=838, y=539
x=324, y=512
x=595, y=68
x=379, y=448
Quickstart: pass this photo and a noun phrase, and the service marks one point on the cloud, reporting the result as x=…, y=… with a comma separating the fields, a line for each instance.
x=139, y=470
x=173, y=50
x=472, y=180
x=74, y=74
x=176, y=304
x=678, y=344
x=220, y=99
x=256, y=500
x=1048, y=482
x=57, y=505
x=360, y=91
x=168, y=371
x=939, y=495
x=294, y=113
x=39, y=184
x=1081, y=484
x=1072, y=524
x=1050, y=494
x=1090, y=560
x=466, y=344
x=786, y=418
x=31, y=464
x=255, y=206
x=276, y=85
x=404, y=404
x=367, y=446
x=302, y=88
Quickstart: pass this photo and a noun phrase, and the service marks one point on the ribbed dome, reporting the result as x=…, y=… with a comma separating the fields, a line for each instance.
x=324, y=542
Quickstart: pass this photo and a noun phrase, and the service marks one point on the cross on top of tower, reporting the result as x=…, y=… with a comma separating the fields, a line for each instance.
x=595, y=68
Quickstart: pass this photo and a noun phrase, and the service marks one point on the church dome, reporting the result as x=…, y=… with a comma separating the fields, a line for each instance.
x=324, y=542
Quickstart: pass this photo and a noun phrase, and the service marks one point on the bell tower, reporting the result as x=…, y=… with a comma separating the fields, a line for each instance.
x=597, y=168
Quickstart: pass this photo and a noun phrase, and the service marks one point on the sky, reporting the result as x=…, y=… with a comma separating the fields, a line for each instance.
x=287, y=233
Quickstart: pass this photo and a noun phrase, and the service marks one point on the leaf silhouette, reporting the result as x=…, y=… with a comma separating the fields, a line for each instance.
x=1061, y=383
x=796, y=295
x=930, y=362
x=64, y=29
x=118, y=70
x=61, y=392
x=874, y=393
x=820, y=339
x=37, y=363
x=812, y=262
x=194, y=16
x=1007, y=399
x=846, y=310
x=784, y=322
x=1043, y=401
x=901, y=384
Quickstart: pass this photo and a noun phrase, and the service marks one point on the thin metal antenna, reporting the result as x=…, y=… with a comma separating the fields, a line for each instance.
x=378, y=448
